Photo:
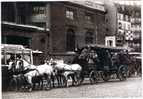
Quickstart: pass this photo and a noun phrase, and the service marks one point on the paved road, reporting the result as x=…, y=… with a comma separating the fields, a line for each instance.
x=130, y=88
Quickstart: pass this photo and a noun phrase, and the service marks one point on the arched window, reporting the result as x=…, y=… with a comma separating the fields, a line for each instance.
x=70, y=46
x=89, y=37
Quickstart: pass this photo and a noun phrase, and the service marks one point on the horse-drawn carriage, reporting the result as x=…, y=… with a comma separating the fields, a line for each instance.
x=10, y=54
x=99, y=61
x=92, y=61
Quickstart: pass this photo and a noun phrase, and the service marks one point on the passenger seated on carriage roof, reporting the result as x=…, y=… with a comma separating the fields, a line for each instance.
x=11, y=59
x=93, y=58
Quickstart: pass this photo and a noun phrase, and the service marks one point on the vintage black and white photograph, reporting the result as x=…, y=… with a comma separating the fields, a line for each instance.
x=71, y=49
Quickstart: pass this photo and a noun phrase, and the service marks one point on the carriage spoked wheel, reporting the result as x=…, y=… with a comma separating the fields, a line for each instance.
x=122, y=74
x=93, y=77
x=106, y=76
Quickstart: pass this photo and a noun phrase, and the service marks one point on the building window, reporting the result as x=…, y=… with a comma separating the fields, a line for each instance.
x=7, y=11
x=120, y=25
x=126, y=26
x=69, y=14
x=70, y=46
x=107, y=29
x=38, y=17
x=37, y=10
x=89, y=17
x=126, y=18
x=137, y=14
x=129, y=27
x=109, y=43
x=120, y=16
x=89, y=37
x=132, y=20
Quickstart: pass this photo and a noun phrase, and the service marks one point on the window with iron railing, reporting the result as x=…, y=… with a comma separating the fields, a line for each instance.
x=69, y=14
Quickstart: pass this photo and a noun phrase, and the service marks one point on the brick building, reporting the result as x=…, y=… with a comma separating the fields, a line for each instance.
x=53, y=27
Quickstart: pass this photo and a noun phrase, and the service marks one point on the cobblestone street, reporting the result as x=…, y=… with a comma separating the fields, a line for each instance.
x=114, y=88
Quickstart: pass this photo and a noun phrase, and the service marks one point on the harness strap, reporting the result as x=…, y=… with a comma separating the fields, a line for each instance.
x=37, y=71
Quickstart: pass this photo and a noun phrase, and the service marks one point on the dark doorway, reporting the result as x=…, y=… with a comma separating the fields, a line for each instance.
x=70, y=40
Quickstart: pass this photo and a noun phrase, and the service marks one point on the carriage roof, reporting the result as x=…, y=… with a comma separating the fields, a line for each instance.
x=17, y=49
x=103, y=47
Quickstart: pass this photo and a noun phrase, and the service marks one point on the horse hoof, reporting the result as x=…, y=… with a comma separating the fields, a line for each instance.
x=30, y=89
x=47, y=88
x=67, y=85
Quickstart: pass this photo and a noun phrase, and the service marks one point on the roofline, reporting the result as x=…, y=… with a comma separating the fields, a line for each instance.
x=82, y=4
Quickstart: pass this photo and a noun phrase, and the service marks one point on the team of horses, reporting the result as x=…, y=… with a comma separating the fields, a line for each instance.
x=25, y=76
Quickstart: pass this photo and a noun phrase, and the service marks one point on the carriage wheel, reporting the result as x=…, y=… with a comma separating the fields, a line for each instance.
x=106, y=76
x=93, y=77
x=122, y=74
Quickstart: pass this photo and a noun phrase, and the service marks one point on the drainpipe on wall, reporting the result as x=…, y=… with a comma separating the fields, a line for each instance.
x=16, y=12
x=48, y=25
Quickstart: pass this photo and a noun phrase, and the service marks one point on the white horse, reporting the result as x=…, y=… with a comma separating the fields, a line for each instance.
x=44, y=70
x=67, y=67
x=10, y=65
x=69, y=70
x=26, y=64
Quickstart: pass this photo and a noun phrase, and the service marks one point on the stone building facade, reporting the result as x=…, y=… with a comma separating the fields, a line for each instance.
x=75, y=25
x=52, y=27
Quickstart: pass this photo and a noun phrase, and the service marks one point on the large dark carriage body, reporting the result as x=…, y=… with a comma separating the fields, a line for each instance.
x=103, y=62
